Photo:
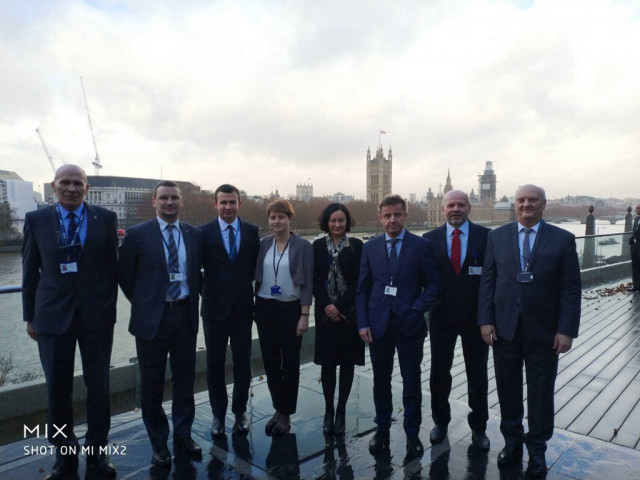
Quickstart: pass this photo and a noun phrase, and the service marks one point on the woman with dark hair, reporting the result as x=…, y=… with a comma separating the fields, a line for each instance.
x=284, y=288
x=336, y=260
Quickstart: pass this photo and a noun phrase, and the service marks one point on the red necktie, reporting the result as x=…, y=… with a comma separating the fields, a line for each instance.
x=455, y=250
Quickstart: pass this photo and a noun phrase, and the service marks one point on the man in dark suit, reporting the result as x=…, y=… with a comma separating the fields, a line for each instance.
x=529, y=310
x=398, y=282
x=69, y=292
x=159, y=272
x=230, y=251
x=459, y=247
x=634, y=241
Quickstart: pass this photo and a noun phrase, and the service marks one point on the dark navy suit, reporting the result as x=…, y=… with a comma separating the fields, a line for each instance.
x=455, y=313
x=527, y=316
x=74, y=307
x=227, y=313
x=161, y=327
x=397, y=322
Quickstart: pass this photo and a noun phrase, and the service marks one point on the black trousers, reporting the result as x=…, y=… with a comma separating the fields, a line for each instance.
x=476, y=353
x=410, y=353
x=635, y=264
x=177, y=339
x=57, y=354
x=541, y=365
x=277, y=322
x=217, y=335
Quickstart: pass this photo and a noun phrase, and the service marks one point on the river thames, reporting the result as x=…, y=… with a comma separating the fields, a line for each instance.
x=23, y=351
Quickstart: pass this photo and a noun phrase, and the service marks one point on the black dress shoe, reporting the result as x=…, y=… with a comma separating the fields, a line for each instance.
x=509, y=455
x=480, y=441
x=632, y=289
x=242, y=423
x=161, y=457
x=187, y=445
x=379, y=441
x=217, y=427
x=282, y=426
x=268, y=427
x=101, y=463
x=414, y=447
x=537, y=466
x=65, y=468
x=327, y=424
x=438, y=434
x=340, y=424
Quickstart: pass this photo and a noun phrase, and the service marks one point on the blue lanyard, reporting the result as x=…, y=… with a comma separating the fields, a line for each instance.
x=277, y=267
x=65, y=236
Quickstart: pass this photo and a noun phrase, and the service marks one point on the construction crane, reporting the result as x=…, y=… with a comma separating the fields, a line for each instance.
x=46, y=151
x=96, y=162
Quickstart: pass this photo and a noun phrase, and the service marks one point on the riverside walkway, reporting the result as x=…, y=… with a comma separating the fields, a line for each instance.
x=597, y=419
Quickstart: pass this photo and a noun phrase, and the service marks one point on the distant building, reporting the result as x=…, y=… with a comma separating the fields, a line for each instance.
x=379, y=171
x=413, y=198
x=122, y=195
x=304, y=192
x=18, y=194
x=340, y=197
x=483, y=210
x=487, y=184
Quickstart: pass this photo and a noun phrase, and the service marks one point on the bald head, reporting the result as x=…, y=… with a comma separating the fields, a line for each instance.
x=456, y=207
x=530, y=203
x=70, y=186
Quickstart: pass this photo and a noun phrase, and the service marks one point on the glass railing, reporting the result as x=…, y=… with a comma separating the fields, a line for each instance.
x=604, y=258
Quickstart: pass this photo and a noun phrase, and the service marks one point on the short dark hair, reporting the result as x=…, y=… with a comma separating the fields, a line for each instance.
x=392, y=200
x=226, y=188
x=166, y=183
x=323, y=218
x=281, y=206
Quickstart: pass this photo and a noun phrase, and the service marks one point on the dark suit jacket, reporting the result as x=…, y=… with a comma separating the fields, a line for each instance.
x=227, y=285
x=49, y=298
x=417, y=280
x=635, y=229
x=144, y=276
x=457, y=302
x=549, y=304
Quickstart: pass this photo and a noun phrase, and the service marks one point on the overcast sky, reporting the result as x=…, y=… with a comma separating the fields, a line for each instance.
x=264, y=94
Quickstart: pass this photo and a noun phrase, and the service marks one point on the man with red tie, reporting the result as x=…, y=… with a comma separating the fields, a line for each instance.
x=459, y=247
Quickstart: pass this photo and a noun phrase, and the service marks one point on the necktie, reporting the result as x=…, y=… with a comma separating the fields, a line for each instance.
x=174, y=287
x=526, y=249
x=456, y=250
x=393, y=255
x=232, y=243
x=73, y=228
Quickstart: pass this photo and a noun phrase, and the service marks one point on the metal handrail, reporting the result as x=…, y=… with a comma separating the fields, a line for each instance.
x=18, y=288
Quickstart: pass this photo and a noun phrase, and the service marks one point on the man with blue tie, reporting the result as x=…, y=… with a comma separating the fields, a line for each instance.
x=459, y=247
x=69, y=293
x=398, y=282
x=159, y=272
x=529, y=311
x=231, y=248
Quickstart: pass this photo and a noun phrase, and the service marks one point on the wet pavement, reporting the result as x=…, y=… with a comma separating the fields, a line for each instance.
x=597, y=390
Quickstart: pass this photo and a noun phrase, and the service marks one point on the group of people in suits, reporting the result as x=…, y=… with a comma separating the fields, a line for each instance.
x=515, y=288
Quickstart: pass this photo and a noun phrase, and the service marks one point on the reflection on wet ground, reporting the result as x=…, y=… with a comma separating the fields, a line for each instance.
x=605, y=363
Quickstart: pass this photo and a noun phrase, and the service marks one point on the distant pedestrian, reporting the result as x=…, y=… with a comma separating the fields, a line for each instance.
x=634, y=241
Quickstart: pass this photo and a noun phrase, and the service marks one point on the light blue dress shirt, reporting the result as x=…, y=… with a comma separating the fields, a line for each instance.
x=64, y=213
x=398, y=244
x=532, y=240
x=464, y=240
x=178, y=238
x=225, y=234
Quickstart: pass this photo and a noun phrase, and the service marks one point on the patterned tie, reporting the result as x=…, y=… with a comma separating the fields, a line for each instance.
x=456, y=249
x=393, y=255
x=232, y=243
x=73, y=228
x=526, y=249
x=174, y=287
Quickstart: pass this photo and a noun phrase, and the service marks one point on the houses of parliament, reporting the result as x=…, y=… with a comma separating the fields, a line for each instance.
x=484, y=207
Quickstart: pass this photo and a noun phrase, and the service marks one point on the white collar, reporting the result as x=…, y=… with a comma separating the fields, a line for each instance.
x=464, y=228
x=223, y=225
x=164, y=224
